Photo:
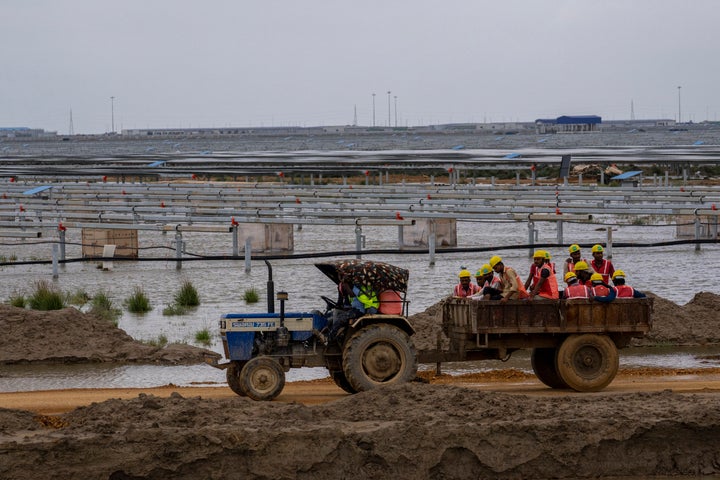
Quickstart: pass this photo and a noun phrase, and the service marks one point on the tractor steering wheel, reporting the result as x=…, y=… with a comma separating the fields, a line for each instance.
x=331, y=304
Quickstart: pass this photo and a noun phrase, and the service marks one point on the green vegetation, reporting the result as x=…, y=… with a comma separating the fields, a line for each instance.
x=251, y=295
x=79, y=297
x=101, y=306
x=203, y=337
x=187, y=296
x=18, y=301
x=138, y=302
x=46, y=297
x=174, y=309
x=160, y=341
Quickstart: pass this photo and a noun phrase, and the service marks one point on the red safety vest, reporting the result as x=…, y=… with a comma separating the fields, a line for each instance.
x=459, y=291
x=605, y=269
x=624, y=291
x=578, y=290
x=600, y=291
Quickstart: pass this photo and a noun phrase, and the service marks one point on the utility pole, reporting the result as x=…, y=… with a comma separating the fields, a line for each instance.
x=389, y=124
x=373, y=95
x=395, y=111
x=112, y=114
x=679, y=104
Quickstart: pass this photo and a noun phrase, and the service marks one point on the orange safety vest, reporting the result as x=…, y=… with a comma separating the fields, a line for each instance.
x=549, y=288
x=459, y=291
x=624, y=291
x=605, y=269
x=578, y=290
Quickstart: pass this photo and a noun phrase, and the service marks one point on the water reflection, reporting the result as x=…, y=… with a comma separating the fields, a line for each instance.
x=50, y=377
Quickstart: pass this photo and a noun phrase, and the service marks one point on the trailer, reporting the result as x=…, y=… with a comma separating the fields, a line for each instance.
x=574, y=342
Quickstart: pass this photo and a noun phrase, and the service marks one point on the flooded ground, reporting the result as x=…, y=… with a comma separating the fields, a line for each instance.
x=221, y=285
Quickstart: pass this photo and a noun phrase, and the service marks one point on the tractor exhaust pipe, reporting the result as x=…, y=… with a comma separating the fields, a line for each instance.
x=270, y=290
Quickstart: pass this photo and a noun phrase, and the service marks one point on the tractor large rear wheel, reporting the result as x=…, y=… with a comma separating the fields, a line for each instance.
x=341, y=381
x=233, y=377
x=379, y=355
x=262, y=378
x=545, y=368
x=588, y=362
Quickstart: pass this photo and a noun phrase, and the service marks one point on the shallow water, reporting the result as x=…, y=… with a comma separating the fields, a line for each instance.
x=221, y=285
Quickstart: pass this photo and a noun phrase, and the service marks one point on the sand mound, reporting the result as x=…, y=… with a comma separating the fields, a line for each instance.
x=408, y=431
x=70, y=336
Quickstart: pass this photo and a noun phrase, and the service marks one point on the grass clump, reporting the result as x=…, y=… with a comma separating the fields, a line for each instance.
x=161, y=341
x=251, y=295
x=101, y=306
x=138, y=302
x=203, y=337
x=78, y=297
x=187, y=296
x=18, y=301
x=46, y=297
x=174, y=309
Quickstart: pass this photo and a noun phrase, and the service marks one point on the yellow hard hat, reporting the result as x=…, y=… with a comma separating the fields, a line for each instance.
x=597, y=248
x=494, y=261
x=464, y=273
x=540, y=254
x=618, y=273
x=581, y=266
x=484, y=270
x=574, y=248
x=569, y=276
x=596, y=277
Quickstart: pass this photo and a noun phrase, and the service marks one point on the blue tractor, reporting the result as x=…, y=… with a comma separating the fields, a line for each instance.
x=361, y=351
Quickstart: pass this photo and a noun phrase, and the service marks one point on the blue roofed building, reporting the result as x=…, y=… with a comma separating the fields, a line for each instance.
x=568, y=124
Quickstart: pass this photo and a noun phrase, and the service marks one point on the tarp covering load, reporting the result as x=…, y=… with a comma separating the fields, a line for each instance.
x=380, y=276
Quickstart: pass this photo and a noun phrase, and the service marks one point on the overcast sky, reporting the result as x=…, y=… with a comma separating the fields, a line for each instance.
x=212, y=63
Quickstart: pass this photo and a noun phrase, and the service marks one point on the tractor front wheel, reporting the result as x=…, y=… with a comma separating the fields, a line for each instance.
x=262, y=378
x=233, y=377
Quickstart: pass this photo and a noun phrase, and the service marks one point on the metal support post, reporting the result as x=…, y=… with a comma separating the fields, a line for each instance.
x=236, y=241
x=431, y=240
x=178, y=250
x=698, y=232
x=248, y=254
x=401, y=238
x=517, y=178
x=602, y=177
x=608, y=248
x=359, y=241
x=559, y=232
x=580, y=179
x=531, y=237
x=61, y=234
x=55, y=273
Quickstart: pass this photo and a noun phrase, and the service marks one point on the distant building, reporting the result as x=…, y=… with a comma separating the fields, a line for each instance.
x=24, y=132
x=568, y=123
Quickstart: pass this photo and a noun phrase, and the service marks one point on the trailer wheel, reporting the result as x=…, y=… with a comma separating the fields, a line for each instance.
x=587, y=363
x=379, y=355
x=544, y=366
x=233, y=377
x=262, y=378
x=341, y=381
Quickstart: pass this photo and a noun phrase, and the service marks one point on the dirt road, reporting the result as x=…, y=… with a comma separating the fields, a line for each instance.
x=54, y=402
